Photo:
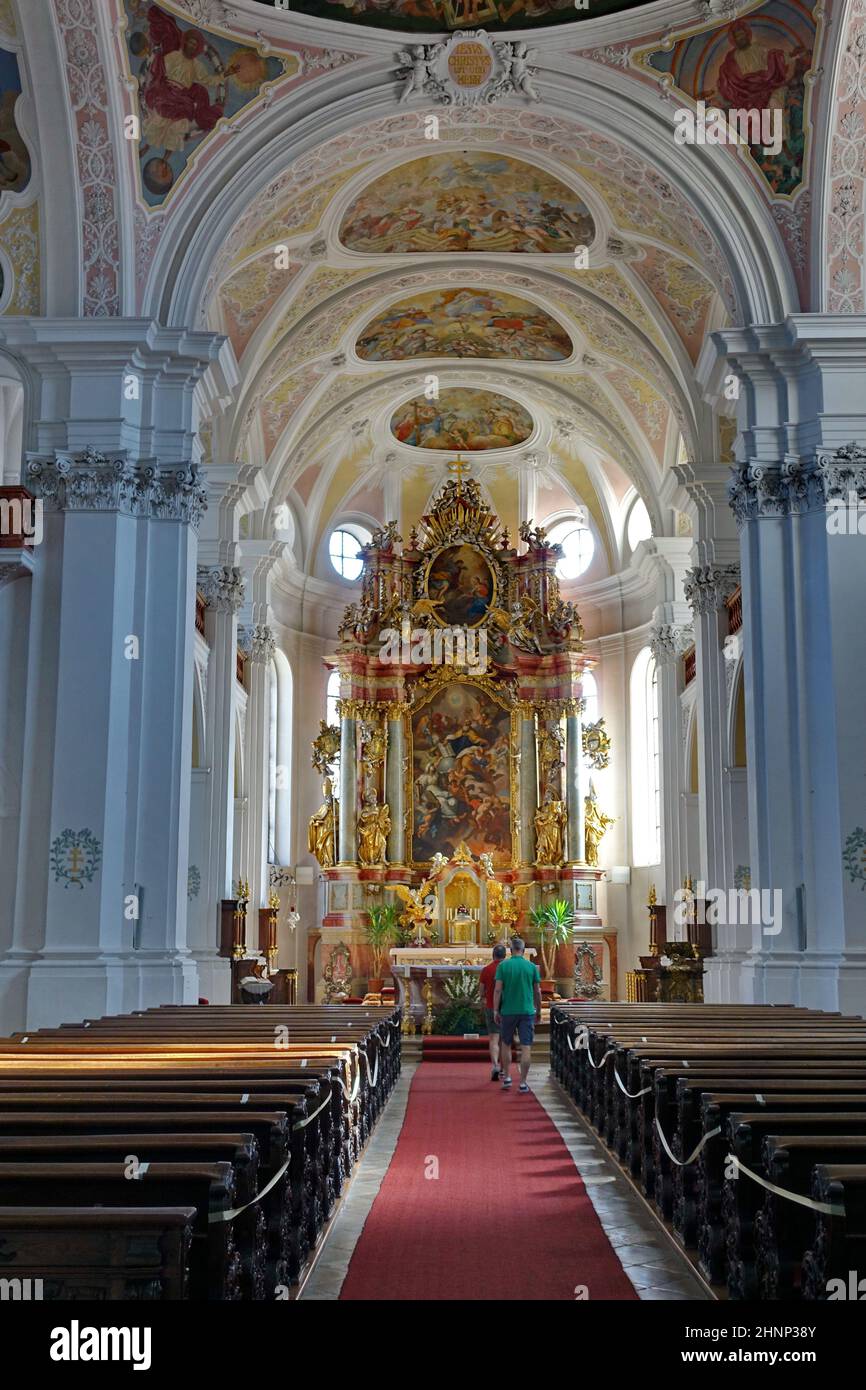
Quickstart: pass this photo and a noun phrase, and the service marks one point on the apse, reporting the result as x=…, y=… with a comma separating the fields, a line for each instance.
x=471, y=200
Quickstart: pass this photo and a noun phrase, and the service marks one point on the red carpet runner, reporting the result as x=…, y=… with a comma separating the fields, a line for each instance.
x=507, y=1216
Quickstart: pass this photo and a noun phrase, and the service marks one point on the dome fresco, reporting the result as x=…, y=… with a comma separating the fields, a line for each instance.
x=467, y=201
x=464, y=322
x=462, y=419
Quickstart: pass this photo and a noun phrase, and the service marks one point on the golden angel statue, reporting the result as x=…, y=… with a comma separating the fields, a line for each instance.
x=503, y=903
x=321, y=836
x=374, y=822
x=595, y=823
x=549, y=825
x=417, y=911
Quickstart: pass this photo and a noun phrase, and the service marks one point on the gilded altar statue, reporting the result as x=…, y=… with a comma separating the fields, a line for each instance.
x=549, y=826
x=503, y=904
x=596, y=823
x=321, y=836
x=550, y=756
x=374, y=822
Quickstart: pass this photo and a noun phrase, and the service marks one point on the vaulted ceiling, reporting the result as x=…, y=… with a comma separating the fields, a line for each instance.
x=528, y=279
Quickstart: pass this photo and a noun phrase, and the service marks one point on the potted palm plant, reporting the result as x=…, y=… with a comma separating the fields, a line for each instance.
x=553, y=924
x=380, y=931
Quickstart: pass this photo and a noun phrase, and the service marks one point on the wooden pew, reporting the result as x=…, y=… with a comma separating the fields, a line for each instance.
x=642, y=1075
x=190, y=1074
x=782, y=1228
x=208, y=1188
x=838, y=1247
x=98, y=1253
x=240, y=1151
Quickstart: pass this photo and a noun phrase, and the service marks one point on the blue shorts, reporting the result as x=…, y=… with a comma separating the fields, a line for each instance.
x=525, y=1025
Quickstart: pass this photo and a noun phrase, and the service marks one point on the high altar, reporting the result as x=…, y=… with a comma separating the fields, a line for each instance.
x=461, y=761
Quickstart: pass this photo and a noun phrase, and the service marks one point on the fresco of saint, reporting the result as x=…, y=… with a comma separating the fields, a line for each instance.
x=14, y=155
x=460, y=773
x=188, y=80
x=757, y=63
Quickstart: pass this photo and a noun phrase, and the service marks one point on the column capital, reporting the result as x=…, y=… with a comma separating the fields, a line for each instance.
x=257, y=643
x=89, y=481
x=223, y=586
x=669, y=641
x=708, y=587
x=797, y=485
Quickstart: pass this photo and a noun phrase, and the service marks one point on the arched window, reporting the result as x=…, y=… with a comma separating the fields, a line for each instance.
x=332, y=695
x=589, y=688
x=639, y=527
x=344, y=548
x=645, y=760
x=578, y=547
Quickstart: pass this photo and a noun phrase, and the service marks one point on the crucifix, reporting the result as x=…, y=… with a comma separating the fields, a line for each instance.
x=458, y=467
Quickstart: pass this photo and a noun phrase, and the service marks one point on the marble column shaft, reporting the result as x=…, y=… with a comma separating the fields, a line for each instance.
x=394, y=791
x=528, y=790
x=575, y=839
x=348, y=790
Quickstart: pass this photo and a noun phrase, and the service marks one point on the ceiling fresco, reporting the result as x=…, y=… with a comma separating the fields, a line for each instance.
x=188, y=80
x=760, y=62
x=464, y=322
x=14, y=155
x=462, y=419
x=434, y=16
x=466, y=201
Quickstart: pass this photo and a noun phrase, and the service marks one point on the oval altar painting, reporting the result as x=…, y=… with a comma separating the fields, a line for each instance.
x=467, y=201
x=461, y=582
x=462, y=420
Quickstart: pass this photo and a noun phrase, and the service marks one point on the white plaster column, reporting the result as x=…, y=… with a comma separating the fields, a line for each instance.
x=16, y=580
x=103, y=847
x=258, y=645
x=257, y=558
x=801, y=461
x=707, y=589
x=669, y=642
x=223, y=590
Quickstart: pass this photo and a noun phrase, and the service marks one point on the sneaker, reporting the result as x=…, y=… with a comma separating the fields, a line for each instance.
x=494, y=1075
x=506, y=1083
x=523, y=1086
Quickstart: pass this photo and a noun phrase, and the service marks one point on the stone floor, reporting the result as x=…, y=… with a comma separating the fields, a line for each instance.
x=652, y=1262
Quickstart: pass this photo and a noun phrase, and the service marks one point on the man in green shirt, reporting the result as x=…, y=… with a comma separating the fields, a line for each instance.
x=517, y=1005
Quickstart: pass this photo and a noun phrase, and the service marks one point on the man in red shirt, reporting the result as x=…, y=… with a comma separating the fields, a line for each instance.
x=488, y=984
